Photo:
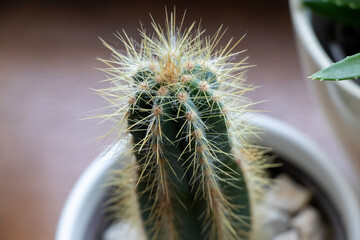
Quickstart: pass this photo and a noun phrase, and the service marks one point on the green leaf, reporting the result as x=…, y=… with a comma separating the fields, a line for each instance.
x=354, y=4
x=343, y=11
x=348, y=68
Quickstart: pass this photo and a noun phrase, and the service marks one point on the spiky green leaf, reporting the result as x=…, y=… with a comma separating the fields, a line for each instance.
x=348, y=68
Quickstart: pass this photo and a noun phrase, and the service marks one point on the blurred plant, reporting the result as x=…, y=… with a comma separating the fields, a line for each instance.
x=343, y=11
x=348, y=68
x=178, y=96
x=346, y=12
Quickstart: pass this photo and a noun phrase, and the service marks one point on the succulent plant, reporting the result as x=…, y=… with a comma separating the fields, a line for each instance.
x=178, y=96
x=343, y=11
x=346, y=12
x=348, y=68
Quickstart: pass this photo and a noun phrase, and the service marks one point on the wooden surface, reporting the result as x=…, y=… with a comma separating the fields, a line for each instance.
x=47, y=67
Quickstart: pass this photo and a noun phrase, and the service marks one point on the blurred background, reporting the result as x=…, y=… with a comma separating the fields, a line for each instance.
x=47, y=70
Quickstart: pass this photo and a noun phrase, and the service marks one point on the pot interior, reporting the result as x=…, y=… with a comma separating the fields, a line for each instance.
x=337, y=39
x=334, y=227
x=331, y=218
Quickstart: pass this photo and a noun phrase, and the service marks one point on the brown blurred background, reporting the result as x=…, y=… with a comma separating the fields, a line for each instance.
x=47, y=67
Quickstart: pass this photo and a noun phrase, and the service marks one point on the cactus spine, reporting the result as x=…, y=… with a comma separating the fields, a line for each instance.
x=177, y=97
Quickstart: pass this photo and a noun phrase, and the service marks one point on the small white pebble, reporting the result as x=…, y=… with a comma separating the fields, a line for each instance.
x=274, y=221
x=308, y=223
x=288, y=235
x=122, y=230
x=286, y=195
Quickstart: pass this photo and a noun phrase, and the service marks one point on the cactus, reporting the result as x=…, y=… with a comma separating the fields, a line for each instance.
x=179, y=96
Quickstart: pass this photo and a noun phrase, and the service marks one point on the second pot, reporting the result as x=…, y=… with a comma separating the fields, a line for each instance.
x=340, y=101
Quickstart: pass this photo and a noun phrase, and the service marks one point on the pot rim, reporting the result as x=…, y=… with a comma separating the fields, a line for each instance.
x=288, y=142
x=85, y=195
x=307, y=36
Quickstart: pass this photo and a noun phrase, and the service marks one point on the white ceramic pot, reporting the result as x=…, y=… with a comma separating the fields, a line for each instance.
x=340, y=101
x=82, y=205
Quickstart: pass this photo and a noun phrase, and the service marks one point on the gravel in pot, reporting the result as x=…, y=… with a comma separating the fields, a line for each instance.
x=315, y=205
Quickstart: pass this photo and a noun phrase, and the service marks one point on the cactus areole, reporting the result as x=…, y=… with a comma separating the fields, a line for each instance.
x=176, y=93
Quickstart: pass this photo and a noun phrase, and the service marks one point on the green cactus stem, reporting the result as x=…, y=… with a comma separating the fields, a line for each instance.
x=184, y=155
x=179, y=95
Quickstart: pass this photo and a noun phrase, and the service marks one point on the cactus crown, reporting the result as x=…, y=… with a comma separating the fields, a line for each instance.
x=179, y=95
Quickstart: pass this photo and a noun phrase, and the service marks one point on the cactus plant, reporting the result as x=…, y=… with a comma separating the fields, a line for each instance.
x=178, y=95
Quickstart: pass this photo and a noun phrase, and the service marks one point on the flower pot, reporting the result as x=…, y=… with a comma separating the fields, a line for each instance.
x=340, y=101
x=83, y=216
